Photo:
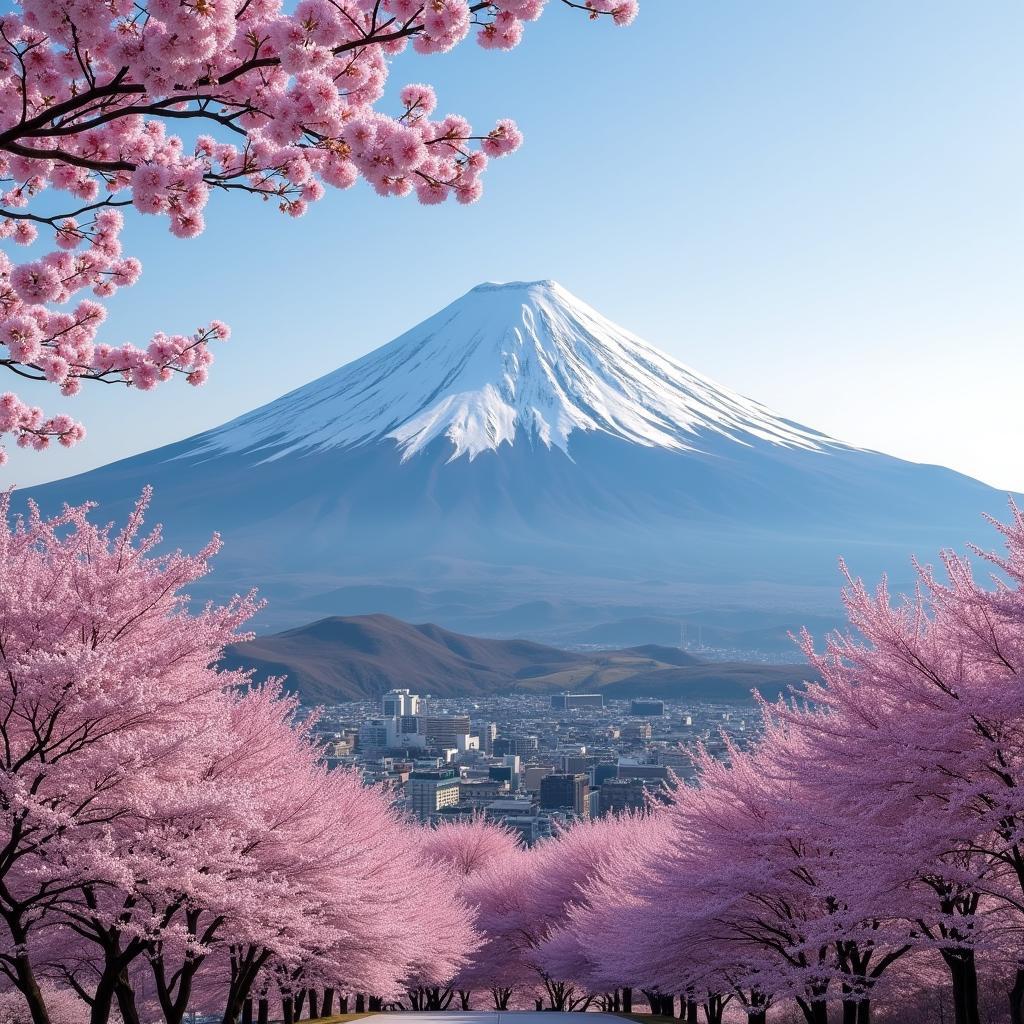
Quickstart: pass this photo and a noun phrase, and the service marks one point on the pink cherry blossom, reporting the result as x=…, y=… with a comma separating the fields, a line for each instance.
x=289, y=96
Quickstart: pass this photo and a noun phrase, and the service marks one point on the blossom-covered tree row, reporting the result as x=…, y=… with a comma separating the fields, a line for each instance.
x=167, y=829
x=170, y=839
x=280, y=101
x=863, y=861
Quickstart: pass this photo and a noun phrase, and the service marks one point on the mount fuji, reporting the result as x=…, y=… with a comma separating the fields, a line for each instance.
x=518, y=463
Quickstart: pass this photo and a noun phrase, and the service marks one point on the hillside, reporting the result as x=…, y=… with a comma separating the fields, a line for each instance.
x=361, y=657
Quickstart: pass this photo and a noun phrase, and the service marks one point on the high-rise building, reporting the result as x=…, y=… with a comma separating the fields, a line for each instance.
x=618, y=795
x=488, y=733
x=648, y=772
x=637, y=731
x=522, y=746
x=533, y=775
x=396, y=703
x=442, y=730
x=557, y=791
x=647, y=708
x=574, y=701
x=570, y=764
x=428, y=791
x=378, y=734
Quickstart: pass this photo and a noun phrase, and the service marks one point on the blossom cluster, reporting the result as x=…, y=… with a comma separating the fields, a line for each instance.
x=289, y=97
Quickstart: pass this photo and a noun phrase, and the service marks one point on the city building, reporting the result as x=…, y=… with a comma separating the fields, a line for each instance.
x=519, y=745
x=428, y=790
x=575, y=701
x=488, y=733
x=378, y=734
x=399, y=704
x=533, y=774
x=570, y=764
x=637, y=731
x=618, y=795
x=558, y=791
x=471, y=790
x=629, y=769
x=647, y=708
x=443, y=730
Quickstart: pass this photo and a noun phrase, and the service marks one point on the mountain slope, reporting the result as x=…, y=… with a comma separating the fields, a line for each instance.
x=525, y=358
x=519, y=455
x=362, y=657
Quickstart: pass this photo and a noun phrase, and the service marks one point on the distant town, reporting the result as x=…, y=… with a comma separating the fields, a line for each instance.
x=529, y=763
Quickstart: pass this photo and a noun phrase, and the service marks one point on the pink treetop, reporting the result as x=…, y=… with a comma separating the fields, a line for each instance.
x=523, y=899
x=467, y=846
x=87, y=91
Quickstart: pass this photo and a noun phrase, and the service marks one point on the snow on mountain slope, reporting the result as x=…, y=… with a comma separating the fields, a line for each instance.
x=506, y=360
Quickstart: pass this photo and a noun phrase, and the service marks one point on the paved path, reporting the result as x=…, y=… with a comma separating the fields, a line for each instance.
x=500, y=1017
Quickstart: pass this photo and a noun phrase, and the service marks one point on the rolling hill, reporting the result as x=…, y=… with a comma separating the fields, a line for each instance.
x=361, y=657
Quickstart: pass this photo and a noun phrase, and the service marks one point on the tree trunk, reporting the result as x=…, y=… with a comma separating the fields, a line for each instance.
x=464, y=997
x=714, y=1008
x=1017, y=998
x=313, y=1004
x=963, y=973
x=373, y=1004
x=243, y=974
x=627, y=1000
x=126, y=999
x=263, y=1011
x=327, y=1006
x=691, y=1011
x=26, y=977
x=815, y=1012
x=287, y=1010
x=757, y=1017
x=360, y=1003
x=500, y=997
x=102, y=1001
x=247, y=1012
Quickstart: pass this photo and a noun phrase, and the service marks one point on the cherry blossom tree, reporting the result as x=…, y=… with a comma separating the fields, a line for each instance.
x=108, y=677
x=462, y=848
x=285, y=103
x=523, y=901
x=921, y=708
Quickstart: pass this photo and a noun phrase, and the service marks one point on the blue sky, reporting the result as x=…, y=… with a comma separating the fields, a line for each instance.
x=818, y=204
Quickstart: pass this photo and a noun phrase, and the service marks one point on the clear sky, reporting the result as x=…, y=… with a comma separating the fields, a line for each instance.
x=817, y=204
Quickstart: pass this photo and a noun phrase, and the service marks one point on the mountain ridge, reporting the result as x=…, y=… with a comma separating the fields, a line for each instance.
x=361, y=657
x=519, y=358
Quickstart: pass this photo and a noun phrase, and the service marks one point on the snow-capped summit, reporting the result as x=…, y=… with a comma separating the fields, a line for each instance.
x=523, y=359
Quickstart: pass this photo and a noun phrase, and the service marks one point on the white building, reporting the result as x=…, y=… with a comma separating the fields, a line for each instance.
x=378, y=734
x=399, y=704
